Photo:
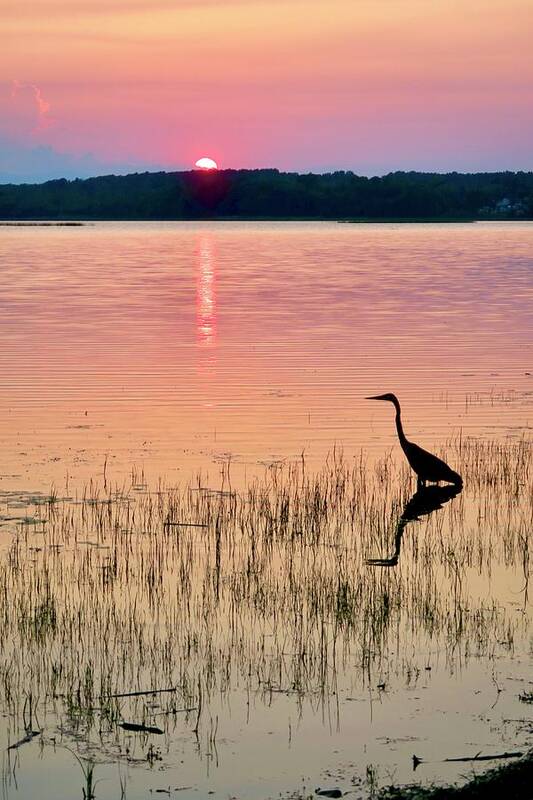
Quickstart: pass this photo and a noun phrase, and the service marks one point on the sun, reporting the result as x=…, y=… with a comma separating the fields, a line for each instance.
x=206, y=163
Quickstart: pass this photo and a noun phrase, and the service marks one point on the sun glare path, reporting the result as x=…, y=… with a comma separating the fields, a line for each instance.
x=206, y=311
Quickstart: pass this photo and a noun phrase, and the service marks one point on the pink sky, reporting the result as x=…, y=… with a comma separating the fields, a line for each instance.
x=367, y=85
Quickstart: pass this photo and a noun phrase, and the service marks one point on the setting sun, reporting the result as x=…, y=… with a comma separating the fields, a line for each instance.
x=206, y=163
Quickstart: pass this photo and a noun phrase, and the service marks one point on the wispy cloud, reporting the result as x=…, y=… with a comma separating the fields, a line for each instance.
x=77, y=8
x=42, y=106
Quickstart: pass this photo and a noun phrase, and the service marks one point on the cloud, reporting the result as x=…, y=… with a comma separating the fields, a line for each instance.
x=41, y=106
x=26, y=163
x=22, y=112
x=26, y=152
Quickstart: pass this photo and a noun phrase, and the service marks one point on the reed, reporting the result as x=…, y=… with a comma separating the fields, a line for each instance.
x=201, y=588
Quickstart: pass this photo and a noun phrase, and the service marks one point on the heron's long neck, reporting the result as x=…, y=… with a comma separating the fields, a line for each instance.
x=399, y=428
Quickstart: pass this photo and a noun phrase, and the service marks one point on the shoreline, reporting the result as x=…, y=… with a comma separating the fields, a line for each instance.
x=41, y=222
x=512, y=780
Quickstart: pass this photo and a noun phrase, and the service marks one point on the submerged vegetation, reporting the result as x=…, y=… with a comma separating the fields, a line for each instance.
x=125, y=610
x=270, y=194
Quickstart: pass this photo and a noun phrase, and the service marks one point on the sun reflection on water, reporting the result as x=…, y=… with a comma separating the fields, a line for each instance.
x=206, y=307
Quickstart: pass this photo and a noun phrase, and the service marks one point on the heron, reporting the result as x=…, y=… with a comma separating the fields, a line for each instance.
x=426, y=466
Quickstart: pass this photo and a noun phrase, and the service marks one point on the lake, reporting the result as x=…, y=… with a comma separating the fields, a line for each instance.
x=197, y=497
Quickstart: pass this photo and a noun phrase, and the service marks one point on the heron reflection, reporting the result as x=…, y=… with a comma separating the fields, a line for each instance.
x=425, y=500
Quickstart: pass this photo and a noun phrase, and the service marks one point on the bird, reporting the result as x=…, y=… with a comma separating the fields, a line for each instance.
x=427, y=466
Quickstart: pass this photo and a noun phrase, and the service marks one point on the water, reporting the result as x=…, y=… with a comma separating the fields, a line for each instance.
x=138, y=353
x=169, y=345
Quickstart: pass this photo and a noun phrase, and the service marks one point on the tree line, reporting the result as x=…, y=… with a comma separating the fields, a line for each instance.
x=270, y=194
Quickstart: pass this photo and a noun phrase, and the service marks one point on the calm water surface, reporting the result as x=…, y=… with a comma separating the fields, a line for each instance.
x=138, y=352
x=170, y=345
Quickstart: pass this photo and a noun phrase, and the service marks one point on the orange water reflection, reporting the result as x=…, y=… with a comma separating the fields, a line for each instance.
x=112, y=374
x=118, y=337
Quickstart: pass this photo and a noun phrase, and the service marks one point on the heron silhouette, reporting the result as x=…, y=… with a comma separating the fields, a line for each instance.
x=425, y=501
x=427, y=466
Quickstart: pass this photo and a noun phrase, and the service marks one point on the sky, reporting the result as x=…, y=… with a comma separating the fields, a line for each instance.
x=97, y=86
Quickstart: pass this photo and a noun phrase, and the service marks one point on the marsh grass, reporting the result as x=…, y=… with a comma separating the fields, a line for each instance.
x=203, y=588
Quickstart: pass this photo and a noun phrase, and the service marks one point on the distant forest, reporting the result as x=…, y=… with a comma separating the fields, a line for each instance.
x=270, y=194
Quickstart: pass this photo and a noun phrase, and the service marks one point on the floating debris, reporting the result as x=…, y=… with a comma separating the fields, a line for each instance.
x=139, y=728
x=25, y=739
x=145, y=691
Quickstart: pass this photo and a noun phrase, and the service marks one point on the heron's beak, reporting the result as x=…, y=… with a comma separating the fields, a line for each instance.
x=376, y=397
